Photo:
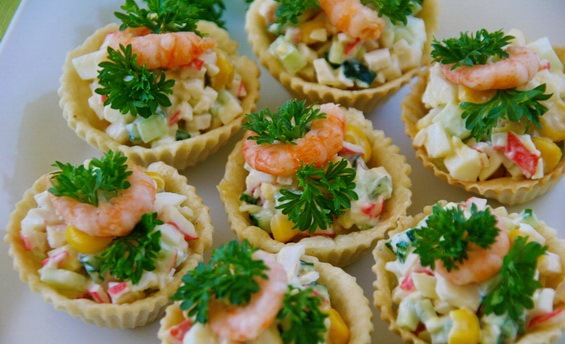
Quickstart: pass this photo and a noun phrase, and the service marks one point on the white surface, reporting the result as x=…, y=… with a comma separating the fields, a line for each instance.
x=34, y=135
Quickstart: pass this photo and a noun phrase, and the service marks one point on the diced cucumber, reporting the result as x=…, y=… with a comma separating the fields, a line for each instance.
x=152, y=128
x=230, y=106
x=262, y=219
x=91, y=265
x=63, y=279
x=407, y=317
x=336, y=54
x=450, y=118
x=529, y=217
x=424, y=310
x=288, y=54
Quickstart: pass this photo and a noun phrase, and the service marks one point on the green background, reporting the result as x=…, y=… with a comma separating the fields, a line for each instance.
x=7, y=10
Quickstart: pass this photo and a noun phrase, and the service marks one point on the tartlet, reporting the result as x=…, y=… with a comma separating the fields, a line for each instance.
x=388, y=286
x=341, y=249
x=75, y=92
x=506, y=189
x=306, y=86
x=115, y=315
x=345, y=296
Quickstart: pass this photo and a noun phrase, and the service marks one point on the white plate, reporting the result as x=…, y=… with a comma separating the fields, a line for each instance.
x=34, y=135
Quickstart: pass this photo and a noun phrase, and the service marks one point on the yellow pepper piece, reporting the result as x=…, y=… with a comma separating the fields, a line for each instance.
x=514, y=233
x=354, y=134
x=281, y=227
x=466, y=328
x=306, y=29
x=226, y=73
x=466, y=94
x=85, y=243
x=158, y=179
x=553, y=123
x=550, y=152
x=339, y=331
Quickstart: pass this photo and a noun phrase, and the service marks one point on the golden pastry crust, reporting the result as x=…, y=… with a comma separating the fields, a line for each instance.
x=386, y=282
x=342, y=249
x=506, y=190
x=127, y=315
x=74, y=93
x=346, y=296
x=365, y=99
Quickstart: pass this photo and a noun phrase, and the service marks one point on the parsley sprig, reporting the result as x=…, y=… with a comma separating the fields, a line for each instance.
x=512, y=104
x=101, y=180
x=290, y=122
x=517, y=280
x=231, y=276
x=130, y=87
x=469, y=49
x=290, y=10
x=395, y=10
x=321, y=195
x=170, y=15
x=127, y=257
x=447, y=234
x=302, y=316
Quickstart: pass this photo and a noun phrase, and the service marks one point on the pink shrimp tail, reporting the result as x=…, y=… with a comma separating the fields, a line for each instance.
x=353, y=18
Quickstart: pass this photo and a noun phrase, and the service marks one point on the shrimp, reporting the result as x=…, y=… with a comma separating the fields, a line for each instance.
x=116, y=217
x=481, y=264
x=248, y=322
x=164, y=50
x=517, y=69
x=353, y=18
x=321, y=143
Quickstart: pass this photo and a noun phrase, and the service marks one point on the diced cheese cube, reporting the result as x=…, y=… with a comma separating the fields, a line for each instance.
x=464, y=163
x=87, y=65
x=439, y=90
x=438, y=143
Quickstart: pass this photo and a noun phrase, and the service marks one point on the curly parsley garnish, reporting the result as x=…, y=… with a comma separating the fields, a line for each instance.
x=291, y=122
x=469, y=49
x=517, y=280
x=395, y=10
x=290, y=10
x=127, y=257
x=231, y=276
x=303, y=319
x=101, y=180
x=447, y=234
x=321, y=195
x=511, y=104
x=170, y=15
x=130, y=87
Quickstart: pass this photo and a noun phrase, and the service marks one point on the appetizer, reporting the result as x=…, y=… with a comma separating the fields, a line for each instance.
x=108, y=241
x=489, y=114
x=351, y=52
x=251, y=296
x=469, y=273
x=163, y=86
x=318, y=175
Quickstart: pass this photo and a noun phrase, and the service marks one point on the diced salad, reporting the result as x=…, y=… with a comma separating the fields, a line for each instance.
x=515, y=149
x=316, y=51
x=78, y=275
x=437, y=310
x=206, y=94
x=373, y=186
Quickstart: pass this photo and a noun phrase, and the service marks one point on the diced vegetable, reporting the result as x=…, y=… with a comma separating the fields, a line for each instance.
x=85, y=243
x=339, y=331
x=466, y=328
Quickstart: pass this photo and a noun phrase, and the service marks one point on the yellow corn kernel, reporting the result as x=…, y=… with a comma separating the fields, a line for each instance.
x=466, y=94
x=306, y=29
x=281, y=227
x=158, y=179
x=226, y=73
x=466, y=328
x=339, y=332
x=355, y=135
x=85, y=243
x=514, y=233
x=550, y=152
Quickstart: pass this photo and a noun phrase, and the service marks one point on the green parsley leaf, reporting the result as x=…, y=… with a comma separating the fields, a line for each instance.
x=130, y=87
x=469, y=49
x=101, y=180
x=303, y=319
x=291, y=122
x=511, y=104
x=517, y=280
x=290, y=10
x=127, y=257
x=447, y=234
x=321, y=195
x=170, y=15
x=231, y=276
x=395, y=10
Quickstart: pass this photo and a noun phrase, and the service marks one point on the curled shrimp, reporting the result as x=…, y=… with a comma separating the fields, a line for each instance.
x=481, y=264
x=353, y=18
x=518, y=68
x=163, y=50
x=321, y=143
x=116, y=217
x=248, y=322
